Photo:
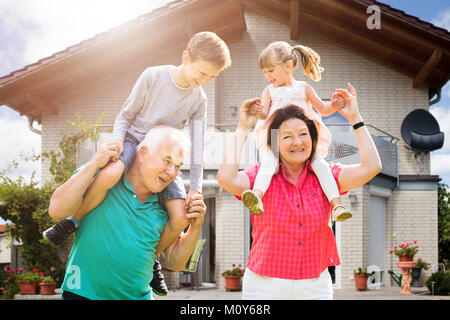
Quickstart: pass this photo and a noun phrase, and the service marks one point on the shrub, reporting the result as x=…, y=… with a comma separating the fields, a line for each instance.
x=442, y=283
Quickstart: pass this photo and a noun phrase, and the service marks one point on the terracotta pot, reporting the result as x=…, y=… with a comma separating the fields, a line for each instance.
x=47, y=288
x=28, y=287
x=233, y=283
x=405, y=257
x=361, y=282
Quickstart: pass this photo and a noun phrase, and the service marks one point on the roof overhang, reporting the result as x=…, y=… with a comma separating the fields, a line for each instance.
x=39, y=87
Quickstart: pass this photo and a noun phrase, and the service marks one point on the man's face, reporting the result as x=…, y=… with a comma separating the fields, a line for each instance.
x=159, y=168
x=200, y=72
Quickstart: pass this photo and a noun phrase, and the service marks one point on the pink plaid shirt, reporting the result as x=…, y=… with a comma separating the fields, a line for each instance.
x=292, y=239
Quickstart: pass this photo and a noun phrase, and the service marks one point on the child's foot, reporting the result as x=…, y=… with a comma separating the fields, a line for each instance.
x=253, y=202
x=158, y=284
x=60, y=231
x=340, y=213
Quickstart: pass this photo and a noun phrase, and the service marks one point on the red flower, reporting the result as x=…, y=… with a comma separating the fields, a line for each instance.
x=41, y=273
x=20, y=270
x=35, y=270
x=233, y=265
x=414, y=241
x=10, y=271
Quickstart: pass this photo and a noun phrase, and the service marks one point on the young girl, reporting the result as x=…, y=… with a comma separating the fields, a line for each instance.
x=278, y=61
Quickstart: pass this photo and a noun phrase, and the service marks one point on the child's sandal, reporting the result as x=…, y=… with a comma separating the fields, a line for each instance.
x=340, y=213
x=253, y=202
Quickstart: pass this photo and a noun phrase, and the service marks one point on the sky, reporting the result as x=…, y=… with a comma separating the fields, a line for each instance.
x=34, y=29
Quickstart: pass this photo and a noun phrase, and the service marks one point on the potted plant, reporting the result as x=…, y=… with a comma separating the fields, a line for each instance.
x=406, y=251
x=47, y=285
x=28, y=281
x=361, y=275
x=417, y=270
x=233, y=278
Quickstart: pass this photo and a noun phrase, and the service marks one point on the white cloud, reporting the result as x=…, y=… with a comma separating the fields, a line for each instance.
x=49, y=26
x=440, y=164
x=442, y=116
x=442, y=20
x=17, y=138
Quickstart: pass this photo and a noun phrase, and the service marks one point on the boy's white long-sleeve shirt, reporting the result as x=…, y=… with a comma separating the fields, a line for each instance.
x=157, y=100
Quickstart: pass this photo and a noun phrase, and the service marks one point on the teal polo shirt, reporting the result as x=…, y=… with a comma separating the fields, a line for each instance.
x=113, y=252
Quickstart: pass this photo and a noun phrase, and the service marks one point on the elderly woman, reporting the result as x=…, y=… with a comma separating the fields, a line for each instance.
x=293, y=243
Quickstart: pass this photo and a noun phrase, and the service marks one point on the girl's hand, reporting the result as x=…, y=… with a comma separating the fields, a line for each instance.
x=337, y=102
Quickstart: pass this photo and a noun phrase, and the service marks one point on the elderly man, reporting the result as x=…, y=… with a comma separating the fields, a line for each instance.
x=114, y=250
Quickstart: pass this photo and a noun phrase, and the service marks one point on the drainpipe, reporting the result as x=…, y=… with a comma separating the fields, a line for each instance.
x=31, y=119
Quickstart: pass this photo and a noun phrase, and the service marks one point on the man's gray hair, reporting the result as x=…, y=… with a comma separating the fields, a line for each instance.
x=158, y=134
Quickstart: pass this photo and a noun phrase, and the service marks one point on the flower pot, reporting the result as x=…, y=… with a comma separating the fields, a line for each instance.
x=47, y=288
x=405, y=257
x=415, y=273
x=232, y=283
x=361, y=282
x=28, y=287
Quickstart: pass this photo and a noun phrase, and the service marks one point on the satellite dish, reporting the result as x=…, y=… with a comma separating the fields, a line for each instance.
x=421, y=131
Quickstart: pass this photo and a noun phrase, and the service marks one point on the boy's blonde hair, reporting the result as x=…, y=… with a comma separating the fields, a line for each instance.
x=280, y=52
x=209, y=47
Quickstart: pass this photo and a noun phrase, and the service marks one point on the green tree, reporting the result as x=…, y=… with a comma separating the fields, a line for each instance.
x=25, y=204
x=444, y=221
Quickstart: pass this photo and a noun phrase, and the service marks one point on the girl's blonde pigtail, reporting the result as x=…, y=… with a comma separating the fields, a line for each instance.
x=310, y=62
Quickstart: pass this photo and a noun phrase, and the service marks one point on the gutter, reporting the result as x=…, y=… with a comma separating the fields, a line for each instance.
x=30, y=125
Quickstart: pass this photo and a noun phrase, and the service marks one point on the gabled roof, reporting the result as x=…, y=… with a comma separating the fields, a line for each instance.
x=404, y=43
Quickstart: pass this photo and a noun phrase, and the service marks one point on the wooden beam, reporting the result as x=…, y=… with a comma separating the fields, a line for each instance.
x=294, y=15
x=189, y=29
x=427, y=68
x=41, y=103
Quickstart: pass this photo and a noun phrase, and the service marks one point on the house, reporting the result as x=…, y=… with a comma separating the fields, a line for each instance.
x=9, y=250
x=396, y=69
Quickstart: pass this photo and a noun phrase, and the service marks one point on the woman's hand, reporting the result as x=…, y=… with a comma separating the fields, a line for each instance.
x=350, y=110
x=248, y=113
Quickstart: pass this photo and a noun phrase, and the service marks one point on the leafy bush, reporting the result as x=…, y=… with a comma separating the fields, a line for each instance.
x=442, y=283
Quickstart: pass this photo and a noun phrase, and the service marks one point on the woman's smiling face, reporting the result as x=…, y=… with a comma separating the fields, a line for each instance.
x=295, y=142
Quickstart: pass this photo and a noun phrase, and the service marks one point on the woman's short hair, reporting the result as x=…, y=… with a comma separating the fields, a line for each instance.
x=290, y=112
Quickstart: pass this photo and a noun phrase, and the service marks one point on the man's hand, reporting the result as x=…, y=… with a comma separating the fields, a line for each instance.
x=105, y=153
x=196, y=210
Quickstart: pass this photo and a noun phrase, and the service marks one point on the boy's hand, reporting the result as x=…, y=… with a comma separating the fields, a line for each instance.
x=196, y=211
x=119, y=148
x=106, y=152
x=189, y=198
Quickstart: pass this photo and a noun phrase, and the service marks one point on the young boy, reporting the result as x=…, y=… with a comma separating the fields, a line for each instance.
x=163, y=95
